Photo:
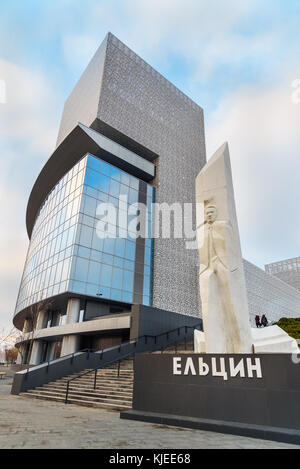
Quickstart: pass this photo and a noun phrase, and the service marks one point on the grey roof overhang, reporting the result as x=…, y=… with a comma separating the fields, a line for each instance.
x=79, y=142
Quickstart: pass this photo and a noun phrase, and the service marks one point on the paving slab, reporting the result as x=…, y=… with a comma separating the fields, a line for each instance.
x=30, y=423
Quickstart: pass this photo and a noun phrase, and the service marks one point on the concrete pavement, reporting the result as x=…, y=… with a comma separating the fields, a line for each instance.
x=30, y=423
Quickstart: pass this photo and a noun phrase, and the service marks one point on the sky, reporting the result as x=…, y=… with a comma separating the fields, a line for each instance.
x=239, y=60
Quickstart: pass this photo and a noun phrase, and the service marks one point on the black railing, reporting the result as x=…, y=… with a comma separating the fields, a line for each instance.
x=138, y=345
x=95, y=371
x=71, y=355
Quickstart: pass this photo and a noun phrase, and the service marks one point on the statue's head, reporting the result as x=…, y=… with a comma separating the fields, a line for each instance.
x=210, y=213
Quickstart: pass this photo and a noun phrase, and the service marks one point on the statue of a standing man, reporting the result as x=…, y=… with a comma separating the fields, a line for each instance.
x=222, y=283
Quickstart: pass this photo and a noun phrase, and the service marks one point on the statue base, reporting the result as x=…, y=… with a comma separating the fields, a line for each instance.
x=270, y=339
x=249, y=395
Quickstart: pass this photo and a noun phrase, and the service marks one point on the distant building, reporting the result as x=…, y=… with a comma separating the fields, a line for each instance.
x=269, y=295
x=287, y=270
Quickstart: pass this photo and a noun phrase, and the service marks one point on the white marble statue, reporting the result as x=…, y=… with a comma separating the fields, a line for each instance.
x=222, y=284
x=221, y=276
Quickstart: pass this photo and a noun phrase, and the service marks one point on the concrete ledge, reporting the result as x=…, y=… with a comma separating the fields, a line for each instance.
x=284, y=435
x=106, y=323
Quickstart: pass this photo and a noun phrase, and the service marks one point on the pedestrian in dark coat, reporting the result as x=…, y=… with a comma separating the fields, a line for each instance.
x=264, y=320
x=257, y=321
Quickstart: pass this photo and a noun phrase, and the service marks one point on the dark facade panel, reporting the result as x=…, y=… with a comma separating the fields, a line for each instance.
x=266, y=407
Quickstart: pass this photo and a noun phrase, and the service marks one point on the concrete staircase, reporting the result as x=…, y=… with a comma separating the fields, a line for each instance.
x=112, y=392
x=181, y=347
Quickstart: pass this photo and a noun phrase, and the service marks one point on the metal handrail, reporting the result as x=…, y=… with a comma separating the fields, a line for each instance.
x=131, y=341
x=94, y=370
x=145, y=336
x=86, y=350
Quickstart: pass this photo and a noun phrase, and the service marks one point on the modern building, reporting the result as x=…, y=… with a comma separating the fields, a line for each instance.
x=288, y=271
x=125, y=131
x=269, y=295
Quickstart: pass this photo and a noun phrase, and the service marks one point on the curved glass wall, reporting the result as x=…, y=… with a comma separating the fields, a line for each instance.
x=67, y=253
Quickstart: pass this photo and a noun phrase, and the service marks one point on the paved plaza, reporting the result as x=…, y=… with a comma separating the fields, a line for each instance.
x=30, y=423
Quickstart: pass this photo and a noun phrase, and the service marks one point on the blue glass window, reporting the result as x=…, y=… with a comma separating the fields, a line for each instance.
x=66, y=252
x=92, y=290
x=109, y=245
x=120, y=247
x=104, y=184
x=94, y=163
x=115, y=173
x=105, y=292
x=81, y=269
x=129, y=265
x=107, y=259
x=94, y=272
x=86, y=235
x=92, y=178
x=130, y=250
x=114, y=189
x=106, y=275
x=90, y=206
x=116, y=295
x=128, y=281
x=117, y=278
x=127, y=296
x=105, y=168
x=125, y=178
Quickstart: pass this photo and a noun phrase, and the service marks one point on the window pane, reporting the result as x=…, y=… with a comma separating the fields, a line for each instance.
x=86, y=235
x=94, y=272
x=114, y=189
x=106, y=274
x=104, y=184
x=90, y=206
x=92, y=178
x=105, y=168
x=116, y=295
x=81, y=269
x=130, y=250
x=115, y=173
x=117, y=278
x=109, y=245
x=128, y=281
x=127, y=296
x=120, y=247
x=94, y=163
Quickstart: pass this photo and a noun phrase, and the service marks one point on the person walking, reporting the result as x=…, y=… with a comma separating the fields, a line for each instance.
x=257, y=321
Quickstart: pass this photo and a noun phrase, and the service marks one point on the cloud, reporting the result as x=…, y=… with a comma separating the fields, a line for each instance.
x=262, y=128
x=213, y=47
x=29, y=113
x=28, y=123
x=79, y=49
x=198, y=30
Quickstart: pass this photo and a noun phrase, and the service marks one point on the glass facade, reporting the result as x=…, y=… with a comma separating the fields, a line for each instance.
x=105, y=266
x=68, y=252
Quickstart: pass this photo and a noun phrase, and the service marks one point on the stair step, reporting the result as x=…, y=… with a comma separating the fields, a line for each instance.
x=112, y=390
x=90, y=392
x=102, y=378
x=75, y=395
x=99, y=405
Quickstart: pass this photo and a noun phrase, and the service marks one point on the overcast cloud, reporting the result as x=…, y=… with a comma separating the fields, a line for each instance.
x=236, y=59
